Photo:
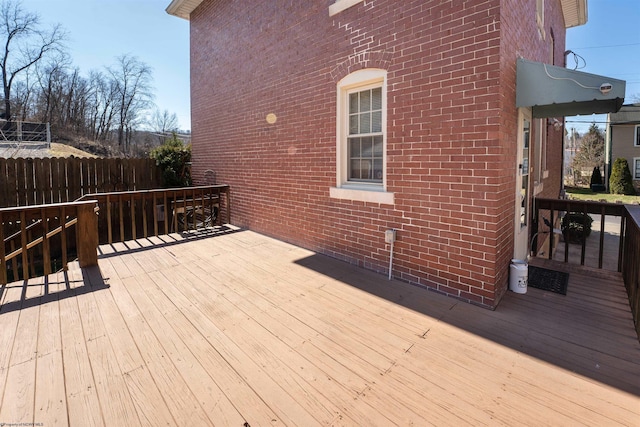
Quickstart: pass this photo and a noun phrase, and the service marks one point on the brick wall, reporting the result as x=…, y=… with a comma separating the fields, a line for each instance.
x=451, y=128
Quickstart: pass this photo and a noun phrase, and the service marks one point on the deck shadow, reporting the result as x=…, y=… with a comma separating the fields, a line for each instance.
x=92, y=281
x=571, y=332
x=162, y=241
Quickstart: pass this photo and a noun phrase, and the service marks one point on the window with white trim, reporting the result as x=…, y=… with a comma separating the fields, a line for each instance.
x=636, y=168
x=540, y=17
x=361, y=137
x=636, y=139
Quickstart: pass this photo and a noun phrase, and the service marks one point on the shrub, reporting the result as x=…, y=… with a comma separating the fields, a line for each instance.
x=596, y=180
x=620, y=181
x=173, y=157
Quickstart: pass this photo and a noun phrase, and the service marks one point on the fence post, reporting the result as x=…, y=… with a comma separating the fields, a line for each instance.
x=87, y=234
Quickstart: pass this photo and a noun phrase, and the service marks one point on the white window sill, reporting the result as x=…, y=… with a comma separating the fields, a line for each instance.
x=362, y=195
x=341, y=5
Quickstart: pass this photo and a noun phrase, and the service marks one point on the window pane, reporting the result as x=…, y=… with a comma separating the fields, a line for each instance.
x=365, y=123
x=365, y=100
x=377, y=146
x=376, y=98
x=354, y=147
x=377, y=170
x=367, y=147
x=353, y=124
x=353, y=103
x=356, y=169
x=376, y=121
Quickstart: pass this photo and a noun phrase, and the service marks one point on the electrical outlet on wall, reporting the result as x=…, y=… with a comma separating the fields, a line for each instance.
x=390, y=236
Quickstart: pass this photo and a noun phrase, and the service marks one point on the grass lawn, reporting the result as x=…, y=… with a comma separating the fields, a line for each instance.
x=578, y=193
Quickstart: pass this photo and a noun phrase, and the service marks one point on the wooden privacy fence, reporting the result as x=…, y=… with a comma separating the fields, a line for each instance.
x=37, y=240
x=26, y=182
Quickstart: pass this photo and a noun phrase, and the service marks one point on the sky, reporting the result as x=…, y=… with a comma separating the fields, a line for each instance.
x=610, y=44
x=101, y=30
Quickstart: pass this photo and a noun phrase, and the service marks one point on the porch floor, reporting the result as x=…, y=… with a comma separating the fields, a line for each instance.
x=238, y=328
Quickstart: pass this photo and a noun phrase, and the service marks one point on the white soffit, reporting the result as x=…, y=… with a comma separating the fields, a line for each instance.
x=183, y=8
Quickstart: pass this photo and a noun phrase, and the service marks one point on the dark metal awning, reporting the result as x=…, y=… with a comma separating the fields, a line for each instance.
x=553, y=91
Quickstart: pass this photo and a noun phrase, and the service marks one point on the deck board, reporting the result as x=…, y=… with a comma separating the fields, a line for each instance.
x=237, y=328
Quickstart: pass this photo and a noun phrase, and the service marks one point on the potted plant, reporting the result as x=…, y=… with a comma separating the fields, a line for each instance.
x=576, y=226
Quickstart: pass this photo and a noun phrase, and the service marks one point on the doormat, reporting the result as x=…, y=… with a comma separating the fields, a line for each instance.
x=548, y=280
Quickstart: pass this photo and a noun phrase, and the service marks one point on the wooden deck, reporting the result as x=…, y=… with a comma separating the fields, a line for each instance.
x=239, y=329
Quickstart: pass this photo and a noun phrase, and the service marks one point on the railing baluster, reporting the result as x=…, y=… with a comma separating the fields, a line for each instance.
x=566, y=241
x=155, y=214
x=46, y=252
x=121, y=208
x=23, y=242
x=109, y=226
x=623, y=228
x=14, y=262
x=63, y=237
x=132, y=206
x=601, y=247
x=552, y=235
x=584, y=238
x=3, y=260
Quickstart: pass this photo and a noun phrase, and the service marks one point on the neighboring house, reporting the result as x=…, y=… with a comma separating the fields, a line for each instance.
x=623, y=141
x=335, y=121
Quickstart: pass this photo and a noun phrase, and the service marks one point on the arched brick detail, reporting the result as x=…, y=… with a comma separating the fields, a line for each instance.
x=358, y=61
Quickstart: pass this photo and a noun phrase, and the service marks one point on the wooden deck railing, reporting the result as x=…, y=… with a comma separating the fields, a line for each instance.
x=49, y=231
x=554, y=207
x=629, y=245
x=130, y=215
x=631, y=262
x=37, y=240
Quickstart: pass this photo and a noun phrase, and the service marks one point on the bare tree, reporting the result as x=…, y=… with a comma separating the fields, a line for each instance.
x=163, y=123
x=52, y=76
x=24, y=43
x=132, y=79
x=590, y=153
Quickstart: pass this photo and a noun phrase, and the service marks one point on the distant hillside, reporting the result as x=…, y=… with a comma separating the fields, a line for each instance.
x=40, y=151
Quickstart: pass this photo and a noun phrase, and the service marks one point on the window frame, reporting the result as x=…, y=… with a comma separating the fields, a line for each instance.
x=359, y=81
x=636, y=169
x=636, y=136
x=540, y=18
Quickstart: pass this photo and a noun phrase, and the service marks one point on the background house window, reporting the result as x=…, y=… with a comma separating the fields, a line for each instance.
x=636, y=141
x=365, y=140
x=636, y=168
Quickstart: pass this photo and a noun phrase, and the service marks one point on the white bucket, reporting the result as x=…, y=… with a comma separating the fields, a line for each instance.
x=518, y=275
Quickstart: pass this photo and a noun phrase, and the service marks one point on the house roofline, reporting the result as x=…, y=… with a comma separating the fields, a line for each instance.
x=574, y=11
x=182, y=8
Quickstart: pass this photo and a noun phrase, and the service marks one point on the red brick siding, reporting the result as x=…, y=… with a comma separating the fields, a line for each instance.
x=451, y=129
